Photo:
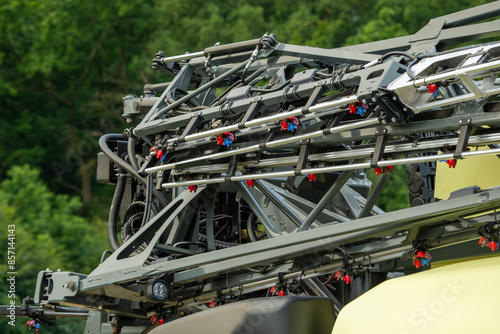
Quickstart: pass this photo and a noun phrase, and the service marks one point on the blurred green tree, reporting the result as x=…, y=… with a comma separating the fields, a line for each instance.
x=49, y=232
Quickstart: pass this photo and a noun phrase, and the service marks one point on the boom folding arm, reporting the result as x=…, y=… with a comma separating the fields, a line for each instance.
x=247, y=171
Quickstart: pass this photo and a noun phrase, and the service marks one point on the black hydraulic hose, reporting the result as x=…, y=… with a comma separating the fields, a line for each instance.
x=113, y=212
x=131, y=153
x=397, y=53
x=104, y=254
x=256, y=74
x=148, y=202
x=408, y=68
x=124, y=165
x=224, y=93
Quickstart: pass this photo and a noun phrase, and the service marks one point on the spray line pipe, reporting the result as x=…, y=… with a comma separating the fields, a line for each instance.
x=322, y=170
x=267, y=119
x=269, y=145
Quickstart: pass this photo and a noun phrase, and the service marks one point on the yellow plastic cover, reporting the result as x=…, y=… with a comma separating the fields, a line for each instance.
x=457, y=298
x=477, y=171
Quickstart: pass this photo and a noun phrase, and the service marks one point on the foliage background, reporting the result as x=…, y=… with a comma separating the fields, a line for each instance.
x=66, y=64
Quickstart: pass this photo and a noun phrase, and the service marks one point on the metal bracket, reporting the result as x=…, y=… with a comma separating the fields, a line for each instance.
x=313, y=99
x=334, y=121
x=381, y=135
x=231, y=168
x=463, y=138
x=303, y=156
x=269, y=137
x=250, y=114
x=292, y=95
x=192, y=125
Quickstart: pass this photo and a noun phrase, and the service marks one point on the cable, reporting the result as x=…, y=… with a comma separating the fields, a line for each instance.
x=113, y=213
x=396, y=53
x=103, y=256
x=224, y=93
x=148, y=201
x=123, y=164
x=131, y=153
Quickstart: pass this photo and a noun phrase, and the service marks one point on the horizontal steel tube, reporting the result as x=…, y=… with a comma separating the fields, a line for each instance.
x=273, y=144
x=480, y=140
x=273, y=118
x=321, y=170
x=165, y=60
x=494, y=65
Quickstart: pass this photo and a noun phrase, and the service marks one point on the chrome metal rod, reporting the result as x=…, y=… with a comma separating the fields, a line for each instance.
x=321, y=170
x=451, y=75
x=165, y=60
x=273, y=144
x=273, y=118
x=355, y=153
x=251, y=130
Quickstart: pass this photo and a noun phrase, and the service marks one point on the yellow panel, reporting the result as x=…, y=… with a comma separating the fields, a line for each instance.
x=480, y=171
x=458, y=298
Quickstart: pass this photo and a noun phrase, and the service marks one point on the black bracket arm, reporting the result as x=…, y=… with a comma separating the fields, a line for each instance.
x=251, y=112
x=317, y=93
x=466, y=128
x=303, y=156
x=378, y=153
x=232, y=165
x=192, y=125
